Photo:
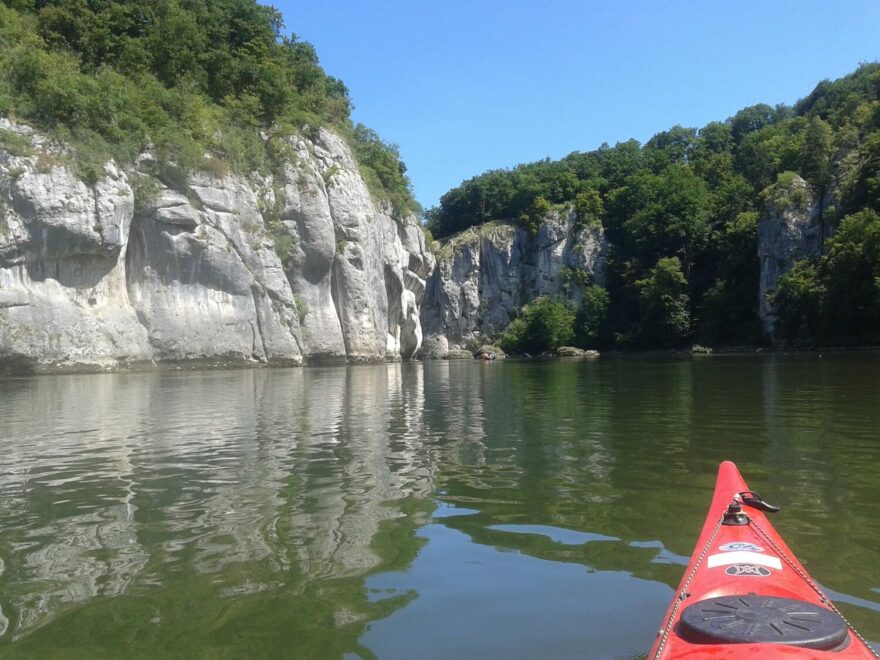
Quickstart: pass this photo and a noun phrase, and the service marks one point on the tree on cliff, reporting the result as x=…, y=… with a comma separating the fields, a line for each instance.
x=837, y=299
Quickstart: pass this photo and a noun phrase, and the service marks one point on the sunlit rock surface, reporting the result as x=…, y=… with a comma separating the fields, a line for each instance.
x=787, y=232
x=141, y=267
x=485, y=273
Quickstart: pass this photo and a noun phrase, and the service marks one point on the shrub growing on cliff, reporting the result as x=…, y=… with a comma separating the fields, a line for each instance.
x=789, y=192
x=533, y=217
x=384, y=171
x=589, y=209
x=545, y=324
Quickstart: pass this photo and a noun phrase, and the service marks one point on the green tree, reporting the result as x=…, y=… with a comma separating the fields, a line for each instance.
x=673, y=147
x=797, y=305
x=754, y=118
x=534, y=217
x=668, y=216
x=545, y=324
x=863, y=187
x=816, y=168
x=715, y=137
x=773, y=149
x=591, y=317
x=732, y=196
x=818, y=145
x=850, y=276
x=663, y=298
x=729, y=310
x=589, y=209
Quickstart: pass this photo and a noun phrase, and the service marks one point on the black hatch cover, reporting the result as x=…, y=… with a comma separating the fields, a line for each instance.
x=753, y=619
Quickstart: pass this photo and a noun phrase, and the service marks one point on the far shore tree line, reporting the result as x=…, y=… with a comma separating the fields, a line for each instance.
x=681, y=216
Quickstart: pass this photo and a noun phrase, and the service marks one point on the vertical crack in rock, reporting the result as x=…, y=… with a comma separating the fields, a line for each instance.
x=258, y=328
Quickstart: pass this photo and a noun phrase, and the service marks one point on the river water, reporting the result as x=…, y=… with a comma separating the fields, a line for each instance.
x=438, y=510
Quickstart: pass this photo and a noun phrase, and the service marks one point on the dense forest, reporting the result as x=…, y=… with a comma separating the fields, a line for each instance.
x=184, y=78
x=681, y=217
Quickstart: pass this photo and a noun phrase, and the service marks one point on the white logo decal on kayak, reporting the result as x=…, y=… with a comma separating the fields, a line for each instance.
x=741, y=545
x=747, y=569
x=743, y=557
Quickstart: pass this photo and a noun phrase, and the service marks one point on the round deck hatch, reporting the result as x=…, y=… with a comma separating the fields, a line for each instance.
x=753, y=619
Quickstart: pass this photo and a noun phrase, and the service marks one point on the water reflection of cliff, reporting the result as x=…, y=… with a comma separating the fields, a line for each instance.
x=185, y=496
x=214, y=513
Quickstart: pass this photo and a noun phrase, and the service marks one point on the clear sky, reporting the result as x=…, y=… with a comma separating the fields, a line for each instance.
x=463, y=86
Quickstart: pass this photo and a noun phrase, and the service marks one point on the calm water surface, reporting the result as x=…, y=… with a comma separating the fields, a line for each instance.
x=444, y=510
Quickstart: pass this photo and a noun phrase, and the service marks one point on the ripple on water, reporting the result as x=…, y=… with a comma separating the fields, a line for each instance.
x=280, y=504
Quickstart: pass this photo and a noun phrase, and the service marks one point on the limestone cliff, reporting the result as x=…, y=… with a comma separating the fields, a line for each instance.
x=790, y=228
x=142, y=267
x=486, y=273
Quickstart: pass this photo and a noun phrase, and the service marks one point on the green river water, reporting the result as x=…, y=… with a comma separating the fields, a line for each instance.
x=440, y=510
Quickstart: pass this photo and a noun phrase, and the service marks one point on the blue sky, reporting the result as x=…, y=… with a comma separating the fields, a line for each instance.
x=466, y=86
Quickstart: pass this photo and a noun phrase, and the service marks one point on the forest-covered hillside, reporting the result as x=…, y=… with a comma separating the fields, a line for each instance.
x=681, y=216
x=184, y=78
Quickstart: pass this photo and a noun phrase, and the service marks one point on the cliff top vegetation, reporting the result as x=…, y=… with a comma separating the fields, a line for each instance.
x=183, y=77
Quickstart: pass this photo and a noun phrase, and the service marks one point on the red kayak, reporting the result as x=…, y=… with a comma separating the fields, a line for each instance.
x=745, y=595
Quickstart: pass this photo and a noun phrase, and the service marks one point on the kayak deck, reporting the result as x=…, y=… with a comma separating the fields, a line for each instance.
x=745, y=594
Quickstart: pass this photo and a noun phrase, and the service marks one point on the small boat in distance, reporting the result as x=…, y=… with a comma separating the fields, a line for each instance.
x=745, y=595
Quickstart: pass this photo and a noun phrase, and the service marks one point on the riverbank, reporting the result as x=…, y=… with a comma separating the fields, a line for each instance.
x=18, y=369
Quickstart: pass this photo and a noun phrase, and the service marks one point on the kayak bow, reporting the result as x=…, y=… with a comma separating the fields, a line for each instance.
x=745, y=594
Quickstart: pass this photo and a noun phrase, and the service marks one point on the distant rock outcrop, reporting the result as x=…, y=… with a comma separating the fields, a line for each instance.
x=790, y=228
x=153, y=264
x=484, y=274
x=572, y=351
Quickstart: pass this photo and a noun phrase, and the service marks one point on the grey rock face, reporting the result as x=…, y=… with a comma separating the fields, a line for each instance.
x=359, y=273
x=572, y=351
x=204, y=279
x=63, y=296
x=458, y=354
x=485, y=273
x=787, y=232
x=231, y=270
